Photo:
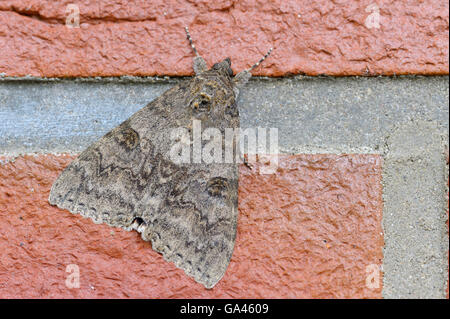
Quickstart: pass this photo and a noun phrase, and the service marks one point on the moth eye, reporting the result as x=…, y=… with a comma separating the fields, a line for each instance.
x=202, y=103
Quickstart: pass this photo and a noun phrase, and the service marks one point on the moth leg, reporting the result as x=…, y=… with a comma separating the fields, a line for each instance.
x=199, y=63
x=242, y=77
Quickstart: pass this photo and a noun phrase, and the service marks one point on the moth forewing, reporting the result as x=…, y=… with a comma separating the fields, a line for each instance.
x=188, y=210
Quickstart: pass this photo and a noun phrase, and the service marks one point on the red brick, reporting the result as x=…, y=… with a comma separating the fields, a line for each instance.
x=147, y=37
x=308, y=231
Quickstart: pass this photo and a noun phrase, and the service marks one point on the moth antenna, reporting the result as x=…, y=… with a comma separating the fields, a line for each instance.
x=242, y=77
x=260, y=61
x=199, y=63
x=190, y=41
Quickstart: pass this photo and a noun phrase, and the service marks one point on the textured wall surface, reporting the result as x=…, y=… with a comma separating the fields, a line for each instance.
x=320, y=226
x=385, y=116
x=311, y=230
x=118, y=37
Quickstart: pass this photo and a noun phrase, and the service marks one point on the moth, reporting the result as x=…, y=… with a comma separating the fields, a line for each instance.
x=127, y=178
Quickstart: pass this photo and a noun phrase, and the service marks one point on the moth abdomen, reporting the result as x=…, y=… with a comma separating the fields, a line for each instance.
x=138, y=224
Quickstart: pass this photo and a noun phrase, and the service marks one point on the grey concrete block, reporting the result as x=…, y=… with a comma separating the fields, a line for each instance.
x=414, y=215
x=312, y=114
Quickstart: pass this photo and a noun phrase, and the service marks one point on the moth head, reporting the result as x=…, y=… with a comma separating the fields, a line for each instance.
x=223, y=67
x=213, y=91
